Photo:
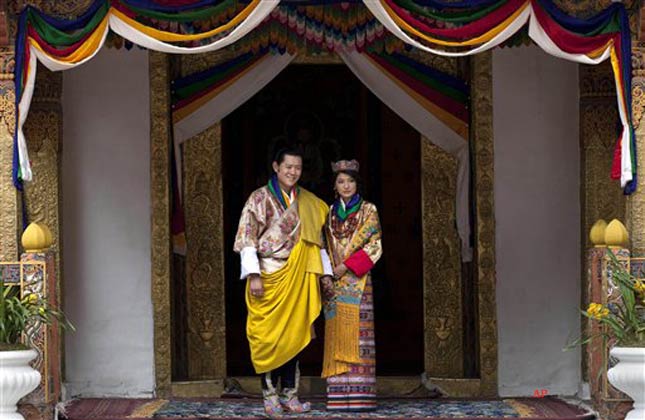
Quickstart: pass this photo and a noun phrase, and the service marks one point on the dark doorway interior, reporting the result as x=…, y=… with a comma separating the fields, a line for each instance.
x=327, y=111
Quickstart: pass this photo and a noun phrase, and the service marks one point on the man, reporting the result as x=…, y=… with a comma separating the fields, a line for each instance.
x=279, y=241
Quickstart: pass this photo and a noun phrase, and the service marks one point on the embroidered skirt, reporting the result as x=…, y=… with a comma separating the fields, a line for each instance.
x=356, y=389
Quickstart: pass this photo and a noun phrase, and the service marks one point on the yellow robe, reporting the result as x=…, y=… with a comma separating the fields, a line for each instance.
x=279, y=324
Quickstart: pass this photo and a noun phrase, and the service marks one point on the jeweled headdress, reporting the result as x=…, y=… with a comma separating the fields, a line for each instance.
x=345, y=165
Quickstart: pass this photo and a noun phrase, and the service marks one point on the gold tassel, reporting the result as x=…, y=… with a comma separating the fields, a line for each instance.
x=347, y=332
x=341, y=340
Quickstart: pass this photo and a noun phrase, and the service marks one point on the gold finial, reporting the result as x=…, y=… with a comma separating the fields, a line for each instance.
x=37, y=238
x=616, y=235
x=597, y=233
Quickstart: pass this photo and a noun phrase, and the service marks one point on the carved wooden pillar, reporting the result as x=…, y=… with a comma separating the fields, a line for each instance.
x=9, y=214
x=160, y=200
x=636, y=202
x=43, y=130
x=616, y=407
x=9, y=204
x=204, y=283
x=205, y=255
x=444, y=332
x=482, y=137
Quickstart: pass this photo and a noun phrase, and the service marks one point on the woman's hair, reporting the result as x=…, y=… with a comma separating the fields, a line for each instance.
x=355, y=175
x=291, y=151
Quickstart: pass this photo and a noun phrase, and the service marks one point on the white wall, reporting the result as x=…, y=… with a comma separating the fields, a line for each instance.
x=537, y=211
x=106, y=217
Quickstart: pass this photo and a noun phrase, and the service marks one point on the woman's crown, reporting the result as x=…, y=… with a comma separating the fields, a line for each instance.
x=345, y=165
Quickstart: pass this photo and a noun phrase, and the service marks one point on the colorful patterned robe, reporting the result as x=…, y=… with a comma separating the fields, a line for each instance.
x=268, y=228
x=349, y=361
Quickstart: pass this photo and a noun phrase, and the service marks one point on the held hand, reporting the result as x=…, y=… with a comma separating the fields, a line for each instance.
x=340, y=270
x=327, y=286
x=256, y=287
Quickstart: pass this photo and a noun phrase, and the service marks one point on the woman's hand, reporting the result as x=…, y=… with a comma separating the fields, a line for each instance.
x=340, y=270
x=256, y=287
x=327, y=286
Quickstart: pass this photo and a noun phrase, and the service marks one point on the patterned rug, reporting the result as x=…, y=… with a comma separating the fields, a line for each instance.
x=242, y=409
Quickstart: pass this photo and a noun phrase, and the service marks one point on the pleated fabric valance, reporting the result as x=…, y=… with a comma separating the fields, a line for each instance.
x=441, y=27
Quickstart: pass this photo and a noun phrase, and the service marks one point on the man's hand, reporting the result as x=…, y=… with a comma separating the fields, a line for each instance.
x=256, y=287
x=340, y=270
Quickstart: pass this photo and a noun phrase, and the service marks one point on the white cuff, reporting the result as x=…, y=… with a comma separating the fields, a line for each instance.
x=250, y=262
x=326, y=263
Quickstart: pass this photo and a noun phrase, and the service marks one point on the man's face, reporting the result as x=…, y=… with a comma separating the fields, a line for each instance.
x=288, y=171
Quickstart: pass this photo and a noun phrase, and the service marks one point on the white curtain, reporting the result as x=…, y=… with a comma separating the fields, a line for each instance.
x=227, y=101
x=428, y=125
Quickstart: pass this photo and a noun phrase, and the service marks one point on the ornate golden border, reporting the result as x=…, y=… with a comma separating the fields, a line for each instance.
x=442, y=280
x=159, y=68
x=44, y=133
x=482, y=138
x=9, y=204
x=485, y=386
x=205, y=295
x=635, y=214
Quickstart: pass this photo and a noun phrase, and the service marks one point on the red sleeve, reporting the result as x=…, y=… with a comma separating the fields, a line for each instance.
x=359, y=263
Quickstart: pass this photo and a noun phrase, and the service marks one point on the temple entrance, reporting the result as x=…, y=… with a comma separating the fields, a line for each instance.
x=328, y=113
x=427, y=302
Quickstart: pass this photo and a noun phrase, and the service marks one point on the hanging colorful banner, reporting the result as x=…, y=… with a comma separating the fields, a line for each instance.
x=62, y=44
x=436, y=26
x=469, y=27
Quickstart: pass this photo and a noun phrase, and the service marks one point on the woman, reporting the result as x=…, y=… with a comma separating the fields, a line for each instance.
x=353, y=236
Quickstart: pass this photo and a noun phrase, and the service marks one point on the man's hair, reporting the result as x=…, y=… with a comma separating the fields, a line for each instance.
x=291, y=151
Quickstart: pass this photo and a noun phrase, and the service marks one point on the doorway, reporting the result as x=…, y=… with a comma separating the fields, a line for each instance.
x=206, y=329
x=326, y=111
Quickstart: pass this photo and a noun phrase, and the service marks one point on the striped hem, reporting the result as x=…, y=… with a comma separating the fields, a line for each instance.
x=368, y=406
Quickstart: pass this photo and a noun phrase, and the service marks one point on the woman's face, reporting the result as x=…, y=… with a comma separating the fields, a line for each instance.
x=288, y=171
x=345, y=186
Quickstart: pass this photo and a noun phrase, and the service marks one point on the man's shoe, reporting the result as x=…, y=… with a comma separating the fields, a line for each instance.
x=272, y=407
x=290, y=402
